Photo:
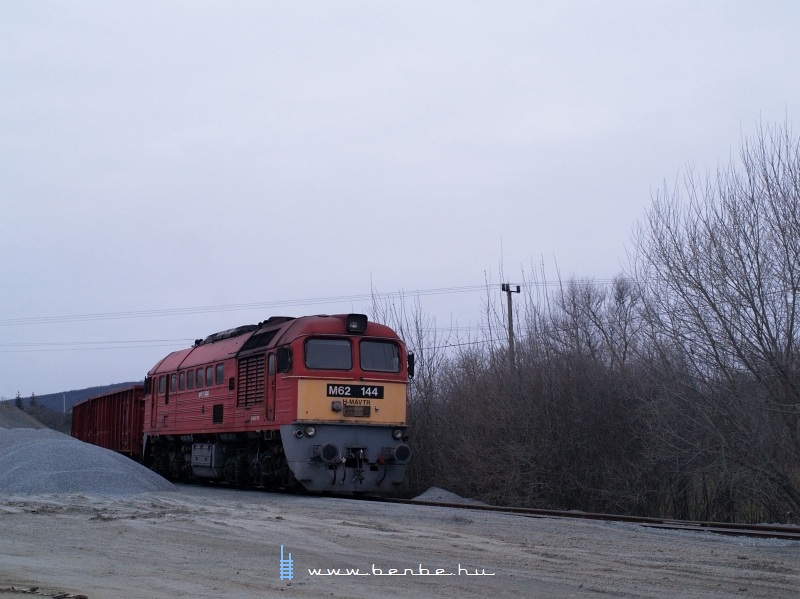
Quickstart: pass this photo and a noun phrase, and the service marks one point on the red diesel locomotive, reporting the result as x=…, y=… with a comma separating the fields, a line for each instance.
x=319, y=401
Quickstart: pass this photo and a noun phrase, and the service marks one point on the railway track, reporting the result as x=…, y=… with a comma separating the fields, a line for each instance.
x=766, y=531
x=769, y=531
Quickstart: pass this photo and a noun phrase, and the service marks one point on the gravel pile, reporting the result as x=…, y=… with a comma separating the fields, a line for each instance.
x=46, y=461
x=444, y=496
x=13, y=417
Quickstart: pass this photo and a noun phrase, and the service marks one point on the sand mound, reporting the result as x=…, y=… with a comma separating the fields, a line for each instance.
x=45, y=461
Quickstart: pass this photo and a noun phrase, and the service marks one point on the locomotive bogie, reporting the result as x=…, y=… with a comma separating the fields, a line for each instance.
x=244, y=460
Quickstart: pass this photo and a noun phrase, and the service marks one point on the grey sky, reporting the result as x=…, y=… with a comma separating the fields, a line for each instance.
x=160, y=156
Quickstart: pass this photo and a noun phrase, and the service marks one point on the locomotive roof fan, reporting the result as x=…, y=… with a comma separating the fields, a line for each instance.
x=356, y=323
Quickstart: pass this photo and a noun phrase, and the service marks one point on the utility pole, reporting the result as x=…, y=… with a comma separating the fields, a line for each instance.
x=509, y=289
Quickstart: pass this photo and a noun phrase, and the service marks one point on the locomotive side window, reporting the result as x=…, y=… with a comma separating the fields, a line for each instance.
x=173, y=382
x=162, y=385
x=380, y=356
x=190, y=379
x=220, y=374
x=199, y=378
x=181, y=381
x=330, y=354
x=209, y=376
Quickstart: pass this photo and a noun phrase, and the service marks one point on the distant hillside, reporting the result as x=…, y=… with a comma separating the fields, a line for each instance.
x=57, y=401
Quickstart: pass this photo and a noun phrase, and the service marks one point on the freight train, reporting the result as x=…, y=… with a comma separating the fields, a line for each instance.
x=318, y=402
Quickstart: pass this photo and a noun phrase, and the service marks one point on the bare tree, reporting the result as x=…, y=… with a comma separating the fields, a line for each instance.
x=720, y=269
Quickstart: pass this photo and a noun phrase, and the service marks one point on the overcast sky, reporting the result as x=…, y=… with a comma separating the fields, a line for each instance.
x=161, y=157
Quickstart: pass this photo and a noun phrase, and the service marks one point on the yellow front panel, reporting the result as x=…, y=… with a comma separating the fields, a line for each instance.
x=359, y=402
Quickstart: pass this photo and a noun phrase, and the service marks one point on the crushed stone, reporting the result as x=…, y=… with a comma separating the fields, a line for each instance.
x=46, y=461
x=13, y=417
x=444, y=496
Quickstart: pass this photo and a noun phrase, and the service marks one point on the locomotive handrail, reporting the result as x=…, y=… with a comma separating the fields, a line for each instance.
x=395, y=379
x=318, y=378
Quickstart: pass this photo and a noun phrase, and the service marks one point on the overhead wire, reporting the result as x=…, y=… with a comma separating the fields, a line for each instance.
x=58, y=346
x=230, y=307
x=33, y=320
x=55, y=346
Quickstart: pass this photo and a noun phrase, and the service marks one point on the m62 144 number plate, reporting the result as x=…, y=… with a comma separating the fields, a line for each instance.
x=366, y=391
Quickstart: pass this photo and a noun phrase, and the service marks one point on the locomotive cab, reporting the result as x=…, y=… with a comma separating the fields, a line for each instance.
x=350, y=432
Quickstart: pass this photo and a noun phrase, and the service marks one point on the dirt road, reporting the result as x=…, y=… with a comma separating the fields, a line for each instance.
x=209, y=542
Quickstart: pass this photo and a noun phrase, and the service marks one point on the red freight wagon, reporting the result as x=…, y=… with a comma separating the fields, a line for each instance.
x=113, y=420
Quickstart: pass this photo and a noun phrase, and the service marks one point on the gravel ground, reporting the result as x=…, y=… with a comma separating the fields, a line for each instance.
x=78, y=520
x=208, y=542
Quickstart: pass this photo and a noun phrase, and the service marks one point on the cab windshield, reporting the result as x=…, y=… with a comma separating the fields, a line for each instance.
x=328, y=354
x=380, y=356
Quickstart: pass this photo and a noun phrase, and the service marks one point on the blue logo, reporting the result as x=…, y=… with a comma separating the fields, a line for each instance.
x=287, y=566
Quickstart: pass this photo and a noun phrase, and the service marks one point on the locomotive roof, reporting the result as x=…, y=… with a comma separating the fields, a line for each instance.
x=274, y=331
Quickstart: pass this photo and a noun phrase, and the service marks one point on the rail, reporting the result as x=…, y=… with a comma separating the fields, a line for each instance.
x=770, y=531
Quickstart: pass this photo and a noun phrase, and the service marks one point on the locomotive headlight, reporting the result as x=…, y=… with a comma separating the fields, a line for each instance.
x=310, y=431
x=356, y=323
x=397, y=434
